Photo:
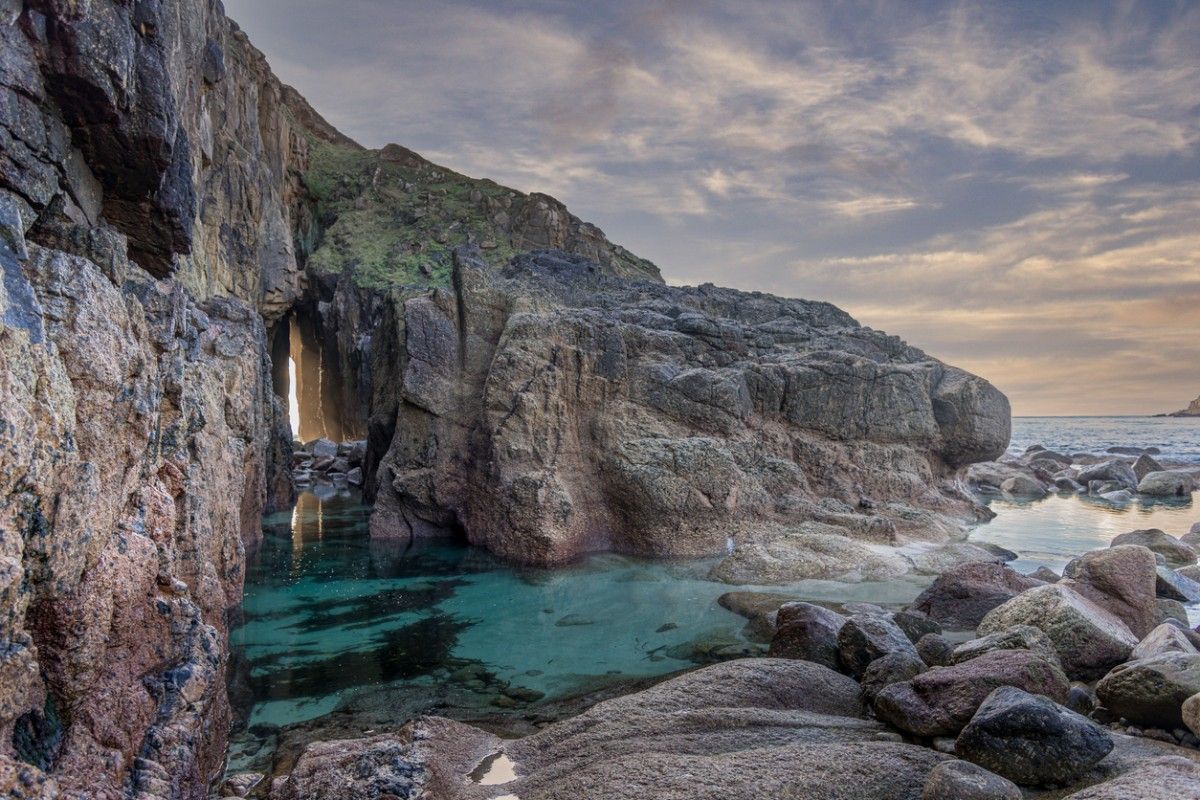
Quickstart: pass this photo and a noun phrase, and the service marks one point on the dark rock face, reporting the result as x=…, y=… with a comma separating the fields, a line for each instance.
x=137, y=462
x=808, y=632
x=597, y=413
x=865, y=638
x=962, y=596
x=1032, y=740
x=942, y=700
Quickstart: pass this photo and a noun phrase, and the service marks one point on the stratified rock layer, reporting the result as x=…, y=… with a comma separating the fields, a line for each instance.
x=552, y=409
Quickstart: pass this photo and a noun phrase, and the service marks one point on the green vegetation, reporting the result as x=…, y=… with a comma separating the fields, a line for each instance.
x=391, y=219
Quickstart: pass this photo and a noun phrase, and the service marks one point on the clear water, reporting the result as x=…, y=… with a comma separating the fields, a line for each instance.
x=335, y=625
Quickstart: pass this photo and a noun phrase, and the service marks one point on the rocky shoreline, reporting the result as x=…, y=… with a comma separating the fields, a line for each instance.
x=168, y=210
x=1082, y=686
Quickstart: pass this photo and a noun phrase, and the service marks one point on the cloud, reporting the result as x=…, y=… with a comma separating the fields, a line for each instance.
x=1010, y=186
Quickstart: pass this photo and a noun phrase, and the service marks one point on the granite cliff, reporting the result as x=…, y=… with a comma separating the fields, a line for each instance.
x=168, y=209
x=1193, y=410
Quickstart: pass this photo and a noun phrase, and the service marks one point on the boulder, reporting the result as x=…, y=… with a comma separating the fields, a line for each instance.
x=1032, y=740
x=866, y=637
x=1120, y=579
x=1176, y=553
x=1045, y=574
x=1023, y=486
x=1191, y=714
x=1166, y=638
x=354, y=477
x=940, y=701
x=1151, y=692
x=1115, y=471
x=1020, y=637
x=323, y=448
x=1167, y=483
x=1165, y=778
x=1192, y=537
x=915, y=624
x=808, y=632
x=1089, y=639
x=1144, y=465
x=963, y=595
x=1174, y=586
x=991, y=475
x=935, y=650
x=759, y=609
x=1192, y=572
x=240, y=784
x=1117, y=496
x=891, y=668
x=962, y=780
x=1069, y=485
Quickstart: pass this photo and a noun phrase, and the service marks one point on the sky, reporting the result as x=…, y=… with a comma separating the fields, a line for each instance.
x=1013, y=187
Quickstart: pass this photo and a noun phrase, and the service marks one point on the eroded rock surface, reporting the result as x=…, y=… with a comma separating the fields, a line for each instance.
x=552, y=409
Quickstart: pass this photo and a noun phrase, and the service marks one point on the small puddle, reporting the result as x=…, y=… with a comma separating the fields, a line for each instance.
x=495, y=770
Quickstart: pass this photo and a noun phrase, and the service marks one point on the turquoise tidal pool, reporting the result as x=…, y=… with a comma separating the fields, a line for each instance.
x=341, y=635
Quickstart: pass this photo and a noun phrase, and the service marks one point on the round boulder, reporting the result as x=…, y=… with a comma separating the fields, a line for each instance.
x=808, y=632
x=1032, y=740
x=1152, y=692
x=962, y=780
x=963, y=595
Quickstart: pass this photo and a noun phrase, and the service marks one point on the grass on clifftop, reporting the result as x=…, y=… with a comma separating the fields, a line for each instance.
x=392, y=219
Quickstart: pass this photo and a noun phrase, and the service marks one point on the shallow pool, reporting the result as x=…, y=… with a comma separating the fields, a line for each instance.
x=370, y=633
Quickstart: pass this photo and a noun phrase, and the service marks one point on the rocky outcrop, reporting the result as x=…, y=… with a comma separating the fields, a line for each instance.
x=550, y=409
x=149, y=194
x=165, y=203
x=136, y=462
x=1193, y=410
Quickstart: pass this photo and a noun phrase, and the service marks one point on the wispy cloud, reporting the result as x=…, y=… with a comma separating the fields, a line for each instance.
x=1010, y=186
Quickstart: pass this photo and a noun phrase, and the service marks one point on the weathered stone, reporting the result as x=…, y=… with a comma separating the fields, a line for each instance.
x=1120, y=579
x=1023, y=486
x=809, y=632
x=1020, y=637
x=323, y=449
x=962, y=780
x=1166, y=778
x=1032, y=740
x=1167, y=483
x=1151, y=692
x=915, y=624
x=1191, y=714
x=1174, y=551
x=1045, y=574
x=864, y=638
x=1144, y=465
x=1174, y=586
x=889, y=669
x=935, y=650
x=1090, y=640
x=961, y=597
x=940, y=701
x=1166, y=638
x=759, y=609
x=1114, y=471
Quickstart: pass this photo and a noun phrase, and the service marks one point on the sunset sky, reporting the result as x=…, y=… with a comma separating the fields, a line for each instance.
x=1013, y=187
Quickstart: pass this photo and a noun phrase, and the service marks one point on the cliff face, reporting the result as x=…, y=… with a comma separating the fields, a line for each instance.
x=549, y=409
x=140, y=435
x=165, y=204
